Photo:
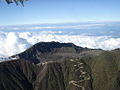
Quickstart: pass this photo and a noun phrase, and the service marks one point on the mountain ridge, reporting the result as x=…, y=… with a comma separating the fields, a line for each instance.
x=37, y=52
x=66, y=69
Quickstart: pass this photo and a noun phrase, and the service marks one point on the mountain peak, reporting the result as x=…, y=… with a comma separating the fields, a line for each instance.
x=63, y=66
x=43, y=51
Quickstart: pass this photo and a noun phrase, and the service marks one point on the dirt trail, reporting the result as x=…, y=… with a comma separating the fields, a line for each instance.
x=84, y=75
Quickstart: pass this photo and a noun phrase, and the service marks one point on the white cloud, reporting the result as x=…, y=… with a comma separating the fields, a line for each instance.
x=53, y=26
x=15, y=42
x=11, y=43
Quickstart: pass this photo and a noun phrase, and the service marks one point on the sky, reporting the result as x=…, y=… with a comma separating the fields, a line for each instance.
x=87, y=23
x=59, y=11
x=16, y=39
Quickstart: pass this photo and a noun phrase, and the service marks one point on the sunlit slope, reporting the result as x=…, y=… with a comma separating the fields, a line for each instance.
x=106, y=71
x=62, y=68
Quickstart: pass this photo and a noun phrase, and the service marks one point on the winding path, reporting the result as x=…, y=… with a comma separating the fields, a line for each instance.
x=83, y=74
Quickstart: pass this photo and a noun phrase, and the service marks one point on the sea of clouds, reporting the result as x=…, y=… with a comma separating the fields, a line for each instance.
x=15, y=42
x=16, y=39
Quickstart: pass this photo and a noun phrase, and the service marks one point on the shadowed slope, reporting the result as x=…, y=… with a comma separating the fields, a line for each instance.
x=23, y=75
x=49, y=51
x=13, y=77
x=62, y=67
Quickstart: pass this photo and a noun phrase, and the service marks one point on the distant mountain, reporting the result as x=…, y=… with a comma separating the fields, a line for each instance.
x=61, y=66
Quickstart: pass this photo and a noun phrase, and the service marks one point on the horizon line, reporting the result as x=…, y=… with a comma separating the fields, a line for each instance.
x=74, y=22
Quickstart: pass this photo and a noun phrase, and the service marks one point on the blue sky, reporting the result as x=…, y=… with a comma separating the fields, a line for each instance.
x=87, y=23
x=57, y=11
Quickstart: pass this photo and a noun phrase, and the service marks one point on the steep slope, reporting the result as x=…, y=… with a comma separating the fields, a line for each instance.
x=49, y=51
x=64, y=67
x=16, y=75
x=51, y=75
x=106, y=71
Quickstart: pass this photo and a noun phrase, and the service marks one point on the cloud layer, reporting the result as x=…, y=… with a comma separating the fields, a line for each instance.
x=54, y=26
x=15, y=42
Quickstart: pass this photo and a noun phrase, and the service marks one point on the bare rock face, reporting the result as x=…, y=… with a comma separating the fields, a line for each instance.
x=61, y=66
x=50, y=51
x=64, y=75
